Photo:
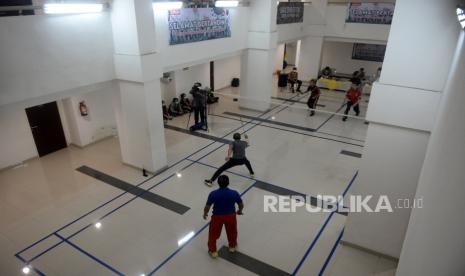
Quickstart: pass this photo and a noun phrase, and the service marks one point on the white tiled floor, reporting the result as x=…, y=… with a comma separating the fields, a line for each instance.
x=139, y=237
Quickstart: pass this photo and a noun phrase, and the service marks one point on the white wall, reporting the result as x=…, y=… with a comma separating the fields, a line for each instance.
x=186, y=78
x=48, y=54
x=291, y=51
x=16, y=141
x=225, y=70
x=338, y=55
x=337, y=27
x=295, y=31
x=168, y=89
x=397, y=138
x=182, y=80
x=178, y=56
x=98, y=124
x=383, y=173
x=421, y=59
x=279, y=57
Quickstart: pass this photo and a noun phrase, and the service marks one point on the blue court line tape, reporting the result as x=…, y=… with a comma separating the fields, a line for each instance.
x=322, y=228
x=205, y=226
x=350, y=184
x=253, y=178
x=328, y=259
x=36, y=270
x=107, y=202
x=330, y=117
x=296, y=270
x=186, y=243
x=329, y=134
x=89, y=255
x=305, y=134
x=56, y=232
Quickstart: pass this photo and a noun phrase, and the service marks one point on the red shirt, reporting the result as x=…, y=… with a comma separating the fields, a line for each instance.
x=353, y=95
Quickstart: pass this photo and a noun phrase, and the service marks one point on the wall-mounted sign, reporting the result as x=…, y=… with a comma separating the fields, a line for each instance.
x=369, y=52
x=371, y=13
x=197, y=24
x=290, y=12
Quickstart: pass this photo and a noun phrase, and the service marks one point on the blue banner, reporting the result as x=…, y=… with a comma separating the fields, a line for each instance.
x=197, y=24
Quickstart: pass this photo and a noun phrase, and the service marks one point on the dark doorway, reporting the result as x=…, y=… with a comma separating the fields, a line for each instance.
x=46, y=128
x=212, y=75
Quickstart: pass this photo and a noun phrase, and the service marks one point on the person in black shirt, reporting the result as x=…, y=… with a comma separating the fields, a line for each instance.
x=199, y=103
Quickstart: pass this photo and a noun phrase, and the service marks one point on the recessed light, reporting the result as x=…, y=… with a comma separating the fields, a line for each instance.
x=179, y=175
x=26, y=270
x=186, y=238
x=98, y=225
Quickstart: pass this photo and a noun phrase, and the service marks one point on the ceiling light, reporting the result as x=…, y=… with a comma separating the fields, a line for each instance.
x=72, y=8
x=461, y=16
x=179, y=175
x=273, y=117
x=186, y=238
x=98, y=225
x=226, y=4
x=167, y=5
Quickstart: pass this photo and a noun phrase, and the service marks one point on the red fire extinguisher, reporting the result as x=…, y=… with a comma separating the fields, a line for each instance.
x=83, y=108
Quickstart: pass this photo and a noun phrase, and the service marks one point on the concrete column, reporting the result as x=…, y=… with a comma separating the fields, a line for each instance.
x=258, y=60
x=310, y=57
x=434, y=244
x=137, y=66
x=402, y=111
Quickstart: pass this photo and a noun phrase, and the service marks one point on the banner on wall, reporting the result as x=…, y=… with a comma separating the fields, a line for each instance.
x=197, y=24
x=290, y=12
x=371, y=13
x=369, y=52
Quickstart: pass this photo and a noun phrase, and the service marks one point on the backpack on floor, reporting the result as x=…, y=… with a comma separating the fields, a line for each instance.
x=235, y=82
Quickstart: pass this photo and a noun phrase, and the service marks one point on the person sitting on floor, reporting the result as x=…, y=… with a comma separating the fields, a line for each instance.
x=166, y=115
x=185, y=103
x=175, y=108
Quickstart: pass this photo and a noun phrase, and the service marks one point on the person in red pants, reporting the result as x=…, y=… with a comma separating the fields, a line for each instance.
x=224, y=202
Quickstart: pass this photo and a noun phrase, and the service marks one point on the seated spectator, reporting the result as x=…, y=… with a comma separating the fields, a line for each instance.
x=166, y=115
x=293, y=78
x=360, y=74
x=185, y=103
x=175, y=108
x=326, y=72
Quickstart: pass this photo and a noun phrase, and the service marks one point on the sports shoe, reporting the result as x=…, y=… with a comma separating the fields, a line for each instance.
x=213, y=254
x=252, y=174
x=232, y=249
x=208, y=182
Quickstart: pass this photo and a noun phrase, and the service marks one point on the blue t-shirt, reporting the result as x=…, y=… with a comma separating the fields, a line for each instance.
x=223, y=201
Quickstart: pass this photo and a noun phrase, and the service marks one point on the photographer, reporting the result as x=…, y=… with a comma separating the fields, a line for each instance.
x=198, y=104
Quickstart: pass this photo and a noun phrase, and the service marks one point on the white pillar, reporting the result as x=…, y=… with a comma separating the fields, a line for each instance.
x=435, y=243
x=402, y=112
x=258, y=60
x=310, y=57
x=138, y=107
